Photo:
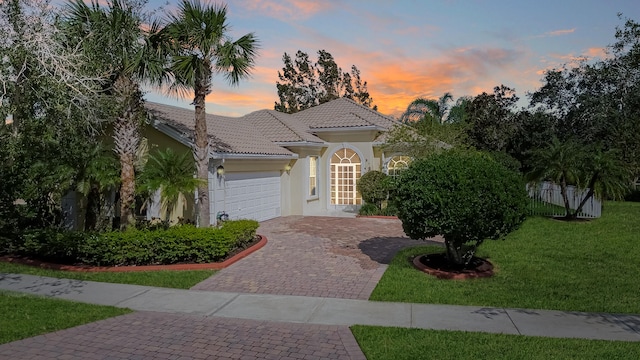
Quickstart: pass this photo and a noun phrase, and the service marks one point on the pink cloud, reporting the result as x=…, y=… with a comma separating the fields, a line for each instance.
x=560, y=32
x=287, y=10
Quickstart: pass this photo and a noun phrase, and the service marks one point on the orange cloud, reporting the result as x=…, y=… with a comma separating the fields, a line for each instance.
x=596, y=52
x=394, y=83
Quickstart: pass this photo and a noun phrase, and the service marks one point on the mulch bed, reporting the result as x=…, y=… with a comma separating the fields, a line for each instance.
x=439, y=266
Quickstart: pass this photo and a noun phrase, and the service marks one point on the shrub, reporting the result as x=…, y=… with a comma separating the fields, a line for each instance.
x=390, y=210
x=373, y=187
x=368, y=209
x=464, y=196
x=177, y=244
x=54, y=245
x=243, y=230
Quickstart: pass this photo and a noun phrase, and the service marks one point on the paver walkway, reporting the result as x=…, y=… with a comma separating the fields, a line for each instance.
x=150, y=335
x=316, y=256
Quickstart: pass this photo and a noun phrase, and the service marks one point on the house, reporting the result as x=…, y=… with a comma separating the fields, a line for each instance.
x=268, y=164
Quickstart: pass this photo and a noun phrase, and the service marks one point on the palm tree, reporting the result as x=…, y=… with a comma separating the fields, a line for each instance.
x=608, y=176
x=172, y=174
x=197, y=37
x=99, y=176
x=114, y=42
x=560, y=163
x=427, y=110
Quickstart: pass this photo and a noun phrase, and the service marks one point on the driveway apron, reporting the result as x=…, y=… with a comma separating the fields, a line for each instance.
x=316, y=256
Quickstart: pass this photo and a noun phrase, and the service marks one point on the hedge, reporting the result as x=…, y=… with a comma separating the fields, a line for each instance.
x=178, y=244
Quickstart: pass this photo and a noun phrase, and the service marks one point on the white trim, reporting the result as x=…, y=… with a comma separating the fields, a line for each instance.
x=330, y=151
x=308, y=176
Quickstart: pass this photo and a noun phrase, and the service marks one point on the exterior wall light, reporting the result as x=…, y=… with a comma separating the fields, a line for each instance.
x=287, y=168
x=220, y=170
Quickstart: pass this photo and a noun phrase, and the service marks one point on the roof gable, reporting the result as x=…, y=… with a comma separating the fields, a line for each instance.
x=343, y=113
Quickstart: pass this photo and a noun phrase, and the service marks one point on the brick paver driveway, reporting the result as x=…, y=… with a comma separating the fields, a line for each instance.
x=313, y=256
x=316, y=256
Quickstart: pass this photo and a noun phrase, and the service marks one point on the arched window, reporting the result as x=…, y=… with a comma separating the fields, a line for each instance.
x=396, y=164
x=345, y=172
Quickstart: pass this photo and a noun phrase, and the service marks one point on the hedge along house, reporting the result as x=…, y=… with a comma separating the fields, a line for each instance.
x=268, y=164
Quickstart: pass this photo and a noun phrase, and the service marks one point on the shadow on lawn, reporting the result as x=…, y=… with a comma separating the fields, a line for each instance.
x=383, y=249
x=49, y=287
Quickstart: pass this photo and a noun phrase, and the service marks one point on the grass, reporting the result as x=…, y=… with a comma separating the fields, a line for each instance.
x=539, y=207
x=381, y=343
x=168, y=279
x=546, y=264
x=24, y=316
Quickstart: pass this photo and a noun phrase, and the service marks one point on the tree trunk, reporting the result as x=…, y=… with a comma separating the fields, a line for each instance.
x=592, y=184
x=454, y=254
x=565, y=198
x=127, y=192
x=201, y=154
x=126, y=137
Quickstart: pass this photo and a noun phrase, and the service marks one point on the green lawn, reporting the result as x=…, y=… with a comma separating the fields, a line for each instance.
x=169, y=279
x=24, y=316
x=546, y=264
x=381, y=343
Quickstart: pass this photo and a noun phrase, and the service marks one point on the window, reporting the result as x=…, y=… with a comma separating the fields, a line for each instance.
x=397, y=164
x=313, y=176
x=345, y=172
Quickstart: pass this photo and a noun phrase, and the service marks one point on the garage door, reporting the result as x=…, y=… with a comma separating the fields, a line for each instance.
x=250, y=195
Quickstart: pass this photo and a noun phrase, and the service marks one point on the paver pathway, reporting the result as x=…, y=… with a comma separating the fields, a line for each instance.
x=149, y=335
x=316, y=256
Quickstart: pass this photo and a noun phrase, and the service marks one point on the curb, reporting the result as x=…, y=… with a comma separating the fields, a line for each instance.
x=86, y=268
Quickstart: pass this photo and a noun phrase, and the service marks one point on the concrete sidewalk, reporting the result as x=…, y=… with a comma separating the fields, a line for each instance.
x=333, y=311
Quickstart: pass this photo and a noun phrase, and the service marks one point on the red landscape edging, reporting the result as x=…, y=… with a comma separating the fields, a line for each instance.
x=378, y=216
x=83, y=268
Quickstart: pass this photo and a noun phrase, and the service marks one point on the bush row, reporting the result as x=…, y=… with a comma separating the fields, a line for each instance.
x=178, y=244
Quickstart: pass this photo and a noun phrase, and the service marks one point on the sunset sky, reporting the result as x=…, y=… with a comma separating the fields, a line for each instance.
x=409, y=49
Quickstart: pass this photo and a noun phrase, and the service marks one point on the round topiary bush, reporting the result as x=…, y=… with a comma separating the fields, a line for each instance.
x=373, y=187
x=464, y=196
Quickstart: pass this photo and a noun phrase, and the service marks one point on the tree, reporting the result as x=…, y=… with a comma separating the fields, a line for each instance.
x=299, y=89
x=198, y=40
x=596, y=102
x=583, y=166
x=114, y=44
x=47, y=96
x=464, y=196
x=492, y=118
x=173, y=175
x=428, y=110
x=303, y=84
x=430, y=126
x=99, y=177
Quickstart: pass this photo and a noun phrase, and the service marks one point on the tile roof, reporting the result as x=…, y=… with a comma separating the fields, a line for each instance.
x=228, y=134
x=343, y=113
x=260, y=132
x=281, y=127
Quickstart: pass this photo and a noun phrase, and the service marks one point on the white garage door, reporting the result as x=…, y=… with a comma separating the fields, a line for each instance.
x=251, y=195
